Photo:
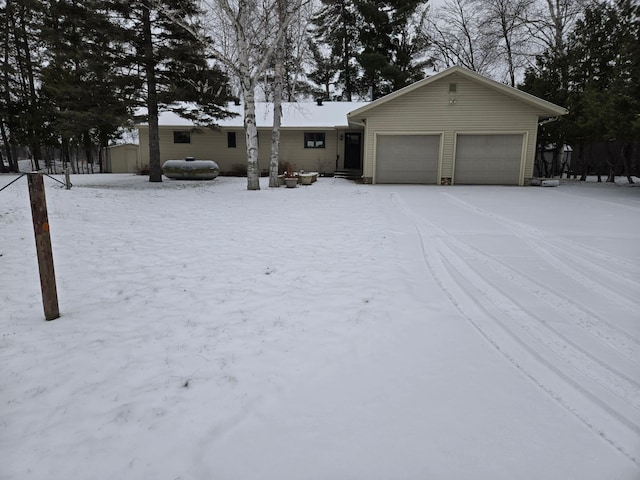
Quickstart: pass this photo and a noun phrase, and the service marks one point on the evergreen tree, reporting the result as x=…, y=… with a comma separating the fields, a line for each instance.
x=336, y=27
x=604, y=75
x=549, y=81
x=597, y=80
x=86, y=78
x=375, y=46
x=23, y=112
x=175, y=66
x=393, y=46
x=325, y=71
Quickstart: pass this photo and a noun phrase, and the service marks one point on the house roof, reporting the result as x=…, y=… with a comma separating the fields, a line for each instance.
x=548, y=109
x=294, y=114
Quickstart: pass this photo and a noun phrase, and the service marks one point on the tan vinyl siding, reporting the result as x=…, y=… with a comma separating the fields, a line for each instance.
x=207, y=144
x=123, y=158
x=473, y=108
x=309, y=159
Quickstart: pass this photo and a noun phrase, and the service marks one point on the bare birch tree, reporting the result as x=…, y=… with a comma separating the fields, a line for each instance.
x=277, y=99
x=550, y=21
x=257, y=30
x=458, y=36
x=505, y=21
x=500, y=38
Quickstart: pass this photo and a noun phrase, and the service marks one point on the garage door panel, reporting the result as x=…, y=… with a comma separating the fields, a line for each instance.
x=488, y=159
x=407, y=158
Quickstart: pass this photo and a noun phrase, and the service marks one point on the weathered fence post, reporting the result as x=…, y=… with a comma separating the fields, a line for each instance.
x=67, y=179
x=43, y=246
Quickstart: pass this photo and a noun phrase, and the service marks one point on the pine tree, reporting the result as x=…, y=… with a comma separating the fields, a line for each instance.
x=86, y=79
x=596, y=78
x=23, y=111
x=336, y=26
x=604, y=47
x=325, y=72
x=393, y=47
x=171, y=53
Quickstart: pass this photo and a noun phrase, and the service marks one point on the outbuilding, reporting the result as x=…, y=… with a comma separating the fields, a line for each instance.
x=455, y=127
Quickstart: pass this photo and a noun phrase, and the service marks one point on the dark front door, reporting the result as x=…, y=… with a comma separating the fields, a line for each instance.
x=352, y=148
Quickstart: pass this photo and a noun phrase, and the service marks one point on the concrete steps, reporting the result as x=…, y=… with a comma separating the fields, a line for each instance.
x=349, y=174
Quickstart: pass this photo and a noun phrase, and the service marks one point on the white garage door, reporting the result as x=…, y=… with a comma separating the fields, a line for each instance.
x=488, y=159
x=407, y=158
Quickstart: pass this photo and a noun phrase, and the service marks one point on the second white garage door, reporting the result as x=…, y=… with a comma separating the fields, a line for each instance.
x=488, y=159
x=407, y=158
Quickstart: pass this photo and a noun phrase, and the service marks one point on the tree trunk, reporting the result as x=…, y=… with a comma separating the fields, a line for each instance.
x=277, y=104
x=31, y=95
x=539, y=161
x=611, y=163
x=155, y=170
x=13, y=164
x=581, y=161
x=248, y=85
x=253, y=169
x=626, y=160
x=346, y=54
x=7, y=148
x=101, y=150
x=88, y=151
x=14, y=155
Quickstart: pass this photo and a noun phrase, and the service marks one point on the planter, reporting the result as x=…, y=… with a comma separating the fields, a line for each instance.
x=305, y=178
x=280, y=180
x=291, y=182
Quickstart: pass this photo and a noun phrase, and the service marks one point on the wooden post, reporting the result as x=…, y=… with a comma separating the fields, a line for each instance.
x=43, y=246
x=67, y=179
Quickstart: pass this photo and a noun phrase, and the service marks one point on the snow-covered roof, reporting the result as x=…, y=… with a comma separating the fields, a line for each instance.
x=294, y=114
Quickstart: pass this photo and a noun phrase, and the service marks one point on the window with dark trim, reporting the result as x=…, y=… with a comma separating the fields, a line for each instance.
x=181, y=136
x=314, y=139
x=231, y=139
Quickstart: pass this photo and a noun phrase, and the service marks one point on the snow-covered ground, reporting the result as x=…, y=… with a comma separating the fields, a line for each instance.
x=336, y=331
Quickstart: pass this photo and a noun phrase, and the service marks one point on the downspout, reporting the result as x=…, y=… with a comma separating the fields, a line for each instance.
x=337, y=148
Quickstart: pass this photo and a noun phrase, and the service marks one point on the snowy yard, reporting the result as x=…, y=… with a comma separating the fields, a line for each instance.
x=336, y=331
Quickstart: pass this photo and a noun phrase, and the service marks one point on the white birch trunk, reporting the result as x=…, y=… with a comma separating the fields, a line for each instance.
x=253, y=48
x=247, y=81
x=251, y=129
x=275, y=141
x=277, y=105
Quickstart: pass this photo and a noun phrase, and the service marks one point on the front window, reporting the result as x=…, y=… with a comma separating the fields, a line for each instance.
x=231, y=139
x=181, y=136
x=314, y=140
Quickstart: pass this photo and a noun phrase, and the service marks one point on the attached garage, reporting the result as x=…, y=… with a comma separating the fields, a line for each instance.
x=488, y=159
x=407, y=158
x=476, y=131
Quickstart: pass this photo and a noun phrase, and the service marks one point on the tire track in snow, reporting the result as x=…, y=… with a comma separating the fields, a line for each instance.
x=483, y=311
x=578, y=252
x=582, y=361
x=590, y=322
x=546, y=248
